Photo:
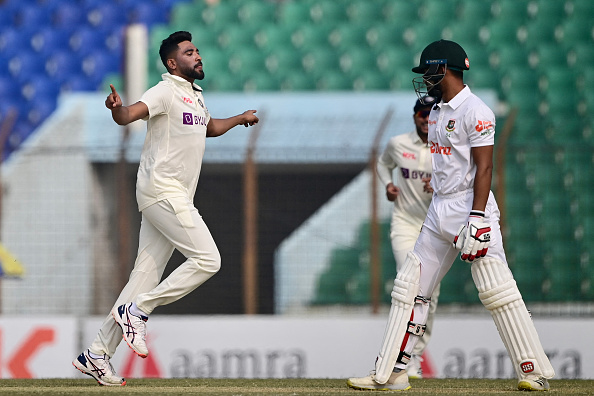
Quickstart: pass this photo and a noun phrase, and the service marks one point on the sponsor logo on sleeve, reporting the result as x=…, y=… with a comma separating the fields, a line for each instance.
x=485, y=127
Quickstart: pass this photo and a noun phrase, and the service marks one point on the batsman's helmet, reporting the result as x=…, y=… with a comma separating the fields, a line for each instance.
x=441, y=52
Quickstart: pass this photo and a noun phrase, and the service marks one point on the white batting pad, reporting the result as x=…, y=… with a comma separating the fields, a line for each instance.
x=406, y=288
x=500, y=295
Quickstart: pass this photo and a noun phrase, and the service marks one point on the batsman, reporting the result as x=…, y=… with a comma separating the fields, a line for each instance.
x=463, y=217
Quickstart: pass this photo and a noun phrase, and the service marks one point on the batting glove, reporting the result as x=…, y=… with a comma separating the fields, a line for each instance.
x=474, y=237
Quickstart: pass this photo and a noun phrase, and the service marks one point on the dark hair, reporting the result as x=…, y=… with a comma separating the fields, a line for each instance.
x=170, y=44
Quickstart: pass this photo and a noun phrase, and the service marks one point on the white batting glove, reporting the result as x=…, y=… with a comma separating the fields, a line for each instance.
x=474, y=237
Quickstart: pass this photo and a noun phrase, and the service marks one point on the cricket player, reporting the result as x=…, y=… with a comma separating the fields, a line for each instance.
x=177, y=124
x=463, y=216
x=411, y=194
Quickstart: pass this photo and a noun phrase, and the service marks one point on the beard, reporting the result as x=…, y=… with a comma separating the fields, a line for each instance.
x=193, y=73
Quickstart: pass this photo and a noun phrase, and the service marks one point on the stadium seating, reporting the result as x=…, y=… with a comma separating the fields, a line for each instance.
x=536, y=55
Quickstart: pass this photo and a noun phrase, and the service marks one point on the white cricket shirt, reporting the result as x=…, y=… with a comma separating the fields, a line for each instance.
x=173, y=149
x=454, y=128
x=412, y=157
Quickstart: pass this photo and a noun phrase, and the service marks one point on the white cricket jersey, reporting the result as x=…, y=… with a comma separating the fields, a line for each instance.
x=454, y=128
x=171, y=158
x=413, y=159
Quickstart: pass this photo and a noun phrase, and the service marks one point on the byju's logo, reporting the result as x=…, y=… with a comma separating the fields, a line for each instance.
x=188, y=119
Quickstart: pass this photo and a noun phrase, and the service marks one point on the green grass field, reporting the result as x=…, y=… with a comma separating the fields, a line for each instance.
x=237, y=387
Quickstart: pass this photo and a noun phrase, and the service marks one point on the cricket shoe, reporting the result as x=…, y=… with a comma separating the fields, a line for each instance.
x=100, y=369
x=533, y=383
x=133, y=328
x=413, y=368
x=397, y=382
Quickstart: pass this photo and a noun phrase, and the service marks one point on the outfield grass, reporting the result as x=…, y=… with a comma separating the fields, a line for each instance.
x=237, y=387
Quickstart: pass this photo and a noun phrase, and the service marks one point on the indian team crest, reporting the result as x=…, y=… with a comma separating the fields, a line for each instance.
x=200, y=103
x=451, y=125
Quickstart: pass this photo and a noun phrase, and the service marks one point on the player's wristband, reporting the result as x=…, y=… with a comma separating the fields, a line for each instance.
x=476, y=215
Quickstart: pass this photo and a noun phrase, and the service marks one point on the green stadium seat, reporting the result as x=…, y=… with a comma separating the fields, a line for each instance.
x=298, y=82
x=385, y=35
x=348, y=36
x=371, y=81
x=453, y=290
x=310, y=36
x=464, y=32
x=261, y=82
x=564, y=272
x=271, y=37
x=479, y=11
x=581, y=55
x=529, y=129
x=517, y=199
x=583, y=8
x=223, y=81
x=359, y=291
x=328, y=12
x=400, y=79
x=547, y=10
x=333, y=80
x=526, y=262
x=432, y=12
x=518, y=79
x=396, y=59
x=419, y=35
x=555, y=203
x=510, y=9
x=223, y=13
x=537, y=32
x=365, y=11
x=547, y=55
x=527, y=102
x=245, y=61
x=500, y=33
x=185, y=16
x=215, y=59
x=294, y=13
x=509, y=57
x=332, y=283
x=284, y=61
x=573, y=31
x=318, y=60
x=562, y=125
x=482, y=78
x=356, y=61
x=255, y=12
x=237, y=37
x=401, y=12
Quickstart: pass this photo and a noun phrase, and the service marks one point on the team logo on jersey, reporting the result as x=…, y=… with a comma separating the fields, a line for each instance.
x=451, y=125
x=200, y=103
x=187, y=100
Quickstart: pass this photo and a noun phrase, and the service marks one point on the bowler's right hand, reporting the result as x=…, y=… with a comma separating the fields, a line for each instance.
x=113, y=99
x=392, y=192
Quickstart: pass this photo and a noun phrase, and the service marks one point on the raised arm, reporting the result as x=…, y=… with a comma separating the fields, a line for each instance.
x=218, y=126
x=123, y=115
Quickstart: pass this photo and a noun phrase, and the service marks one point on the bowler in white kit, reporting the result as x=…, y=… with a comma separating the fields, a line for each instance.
x=178, y=123
x=463, y=217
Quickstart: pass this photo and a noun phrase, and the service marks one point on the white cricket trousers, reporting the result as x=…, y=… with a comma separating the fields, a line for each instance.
x=169, y=224
x=404, y=231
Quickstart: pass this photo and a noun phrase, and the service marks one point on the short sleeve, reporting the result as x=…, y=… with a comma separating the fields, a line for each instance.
x=158, y=99
x=481, y=126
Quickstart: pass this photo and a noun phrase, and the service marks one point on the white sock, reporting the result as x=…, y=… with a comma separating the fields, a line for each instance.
x=134, y=310
x=95, y=356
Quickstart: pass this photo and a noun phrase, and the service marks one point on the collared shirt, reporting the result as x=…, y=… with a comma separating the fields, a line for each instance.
x=454, y=128
x=173, y=149
x=412, y=157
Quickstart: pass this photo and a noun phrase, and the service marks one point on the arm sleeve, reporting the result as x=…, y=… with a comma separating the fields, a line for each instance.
x=385, y=164
x=481, y=127
x=158, y=99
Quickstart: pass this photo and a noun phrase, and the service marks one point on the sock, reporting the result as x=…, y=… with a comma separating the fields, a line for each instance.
x=134, y=310
x=95, y=356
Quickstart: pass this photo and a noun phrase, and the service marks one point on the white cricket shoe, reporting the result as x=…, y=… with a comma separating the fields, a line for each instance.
x=133, y=328
x=396, y=382
x=100, y=369
x=533, y=383
x=413, y=368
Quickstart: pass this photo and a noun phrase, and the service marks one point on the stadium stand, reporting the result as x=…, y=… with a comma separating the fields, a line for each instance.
x=536, y=55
